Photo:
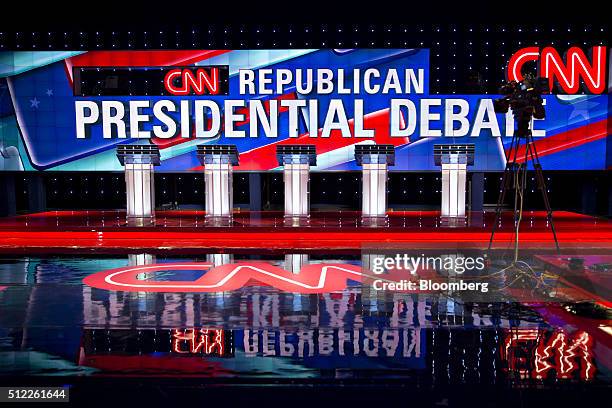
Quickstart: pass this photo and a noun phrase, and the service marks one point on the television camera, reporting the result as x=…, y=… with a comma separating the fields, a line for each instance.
x=525, y=100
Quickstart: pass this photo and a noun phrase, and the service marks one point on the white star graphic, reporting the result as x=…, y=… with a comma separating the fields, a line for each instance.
x=34, y=103
x=582, y=108
x=49, y=92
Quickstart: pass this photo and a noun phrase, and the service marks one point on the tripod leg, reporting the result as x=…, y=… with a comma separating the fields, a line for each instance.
x=519, y=197
x=500, y=202
x=542, y=186
x=504, y=184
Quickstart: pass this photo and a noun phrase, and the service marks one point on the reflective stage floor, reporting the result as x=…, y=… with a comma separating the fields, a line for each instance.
x=178, y=311
x=70, y=230
x=354, y=343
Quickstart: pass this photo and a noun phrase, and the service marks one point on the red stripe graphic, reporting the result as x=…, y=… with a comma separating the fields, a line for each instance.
x=138, y=59
x=142, y=58
x=567, y=140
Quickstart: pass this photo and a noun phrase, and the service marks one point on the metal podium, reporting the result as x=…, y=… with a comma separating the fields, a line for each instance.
x=454, y=159
x=218, y=162
x=296, y=161
x=374, y=160
x=138, y=162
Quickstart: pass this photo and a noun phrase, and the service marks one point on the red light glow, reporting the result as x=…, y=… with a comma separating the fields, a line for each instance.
x=561, y=354
x=194, y=341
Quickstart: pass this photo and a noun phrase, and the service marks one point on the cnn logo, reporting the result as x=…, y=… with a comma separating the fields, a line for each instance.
x=567, y=72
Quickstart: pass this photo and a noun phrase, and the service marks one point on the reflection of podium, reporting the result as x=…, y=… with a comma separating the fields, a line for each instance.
x=141, y=259
x=374, y=160
x=295, y=262
x=219, y=259
x=218, y=162
x=454, y=159
x=138, y=162
x=296, y=161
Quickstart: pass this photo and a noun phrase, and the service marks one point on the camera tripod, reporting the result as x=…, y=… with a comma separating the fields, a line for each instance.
x=515, y=172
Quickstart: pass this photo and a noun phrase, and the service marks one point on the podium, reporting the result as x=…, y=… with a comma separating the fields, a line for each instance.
x=375, y=161
x=296, y=161
x=218, y=162
x=454, y=159
x=138, y=162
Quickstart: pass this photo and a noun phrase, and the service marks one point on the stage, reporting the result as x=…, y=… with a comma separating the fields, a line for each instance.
x=73, y=230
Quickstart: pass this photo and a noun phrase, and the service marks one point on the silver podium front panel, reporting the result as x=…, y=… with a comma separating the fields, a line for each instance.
x=297, y=194
x=454, y=174
x=374, y=197
x=140, y=190
x=218, y=176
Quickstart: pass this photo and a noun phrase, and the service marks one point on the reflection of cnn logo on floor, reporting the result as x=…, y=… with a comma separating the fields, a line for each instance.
x=534, y=353
x=204, y=341
x=313, y=278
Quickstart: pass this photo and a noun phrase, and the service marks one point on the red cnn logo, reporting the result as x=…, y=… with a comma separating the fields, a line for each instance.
x=184, y=81
x=566, y=73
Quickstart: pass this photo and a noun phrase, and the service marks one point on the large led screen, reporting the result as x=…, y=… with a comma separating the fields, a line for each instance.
x=69, y=110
